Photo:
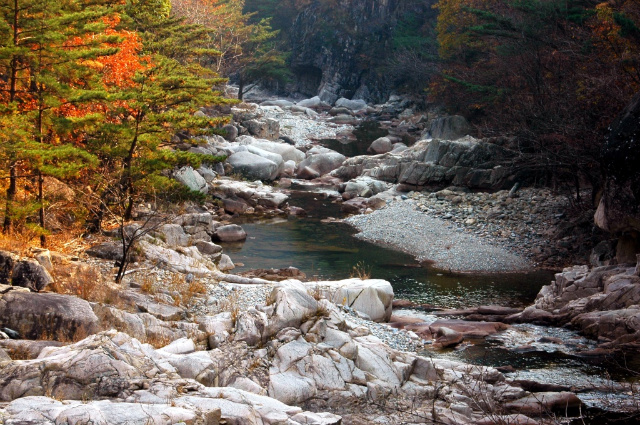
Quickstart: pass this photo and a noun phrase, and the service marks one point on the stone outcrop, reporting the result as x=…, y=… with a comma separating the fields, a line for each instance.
x=332, y=44
x=253, y=166
x=618, y=211
x=373, y=297
x=602, y=302
x=319, y=164
x=46, y=315
x=26, y=273
x=296, y=348
x=468, y=162
x=451, y=127
x=240, y=197
x=191, y=179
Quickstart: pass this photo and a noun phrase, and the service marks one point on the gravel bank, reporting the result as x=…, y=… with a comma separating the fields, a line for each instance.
x=401, y=225
x=304, y=129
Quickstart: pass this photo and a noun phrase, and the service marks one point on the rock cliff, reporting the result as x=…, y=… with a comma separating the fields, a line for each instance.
x=619, y=207
x=339, y=48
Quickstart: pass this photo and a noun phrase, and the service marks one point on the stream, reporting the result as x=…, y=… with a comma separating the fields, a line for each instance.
x=326, y=250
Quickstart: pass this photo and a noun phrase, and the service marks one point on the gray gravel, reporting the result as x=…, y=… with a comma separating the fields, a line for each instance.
x=402, y=226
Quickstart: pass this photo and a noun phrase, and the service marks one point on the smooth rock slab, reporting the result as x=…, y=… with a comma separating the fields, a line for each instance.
x=192, y=179
x=373, y=297
x=42, y=315
x=545, y=402
x=44, y=410
x=253, y=166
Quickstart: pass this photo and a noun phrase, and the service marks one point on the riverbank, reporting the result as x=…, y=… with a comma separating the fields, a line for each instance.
x=458, y=231
x=403, y=226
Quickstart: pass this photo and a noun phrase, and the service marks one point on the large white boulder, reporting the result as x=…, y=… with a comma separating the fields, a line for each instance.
x=285, y=150
x=314, y=102
x=253, y=166
x=354, y=105
x=319, y=164
x=372, y=297
x=192, y=179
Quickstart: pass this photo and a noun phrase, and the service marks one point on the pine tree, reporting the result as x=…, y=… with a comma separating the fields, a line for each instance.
x=162, y=99
x=44, y=81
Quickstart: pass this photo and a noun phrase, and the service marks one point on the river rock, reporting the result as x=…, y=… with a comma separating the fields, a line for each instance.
x=467, y=162
x=265, y=128
x=218, y=328
x=38, y=316
x=602, y=302
x=230, y=132
x=344, y=120
x=449, y=128
x=188, y=260
x=191, y=179
x=353, y=105
x=380, y=145
x=225, y=263
x=286, y=151
x=30, y=274
x=173, y=235
x=373, y=297
x=274, y=157
x=282, y=103
x=106, y=251
x=209, y=249
x=253, y=166
x=467, y=328
x=540, y=403
x=447, y=337
x=319, y=164
x=230, y=233
x=364, y=187
x=313, y=103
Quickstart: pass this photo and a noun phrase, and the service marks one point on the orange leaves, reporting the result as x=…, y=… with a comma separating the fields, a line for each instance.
x=119, y=69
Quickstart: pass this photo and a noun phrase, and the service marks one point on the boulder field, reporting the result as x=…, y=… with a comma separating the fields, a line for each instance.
x=257, y=366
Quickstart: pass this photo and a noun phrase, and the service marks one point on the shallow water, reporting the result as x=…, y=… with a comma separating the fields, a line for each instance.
x=330, y=251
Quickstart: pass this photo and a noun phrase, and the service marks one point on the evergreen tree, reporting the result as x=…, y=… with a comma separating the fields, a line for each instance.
x=162, y=99
x=248, y=51
x=45, y=45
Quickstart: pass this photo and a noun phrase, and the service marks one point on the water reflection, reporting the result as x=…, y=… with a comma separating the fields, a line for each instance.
x=330, y=251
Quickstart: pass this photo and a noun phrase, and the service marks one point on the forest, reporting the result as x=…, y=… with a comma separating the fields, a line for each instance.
x=96, y=93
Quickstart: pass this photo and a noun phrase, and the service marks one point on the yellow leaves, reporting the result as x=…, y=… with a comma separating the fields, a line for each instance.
x=93, y=64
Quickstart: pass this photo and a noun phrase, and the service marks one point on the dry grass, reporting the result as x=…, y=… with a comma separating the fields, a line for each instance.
x=361, y=271
x=18, y=243
x=149, y=284
x=84, y=281
x=186, y=293
x=158, y=340
x=231, y=305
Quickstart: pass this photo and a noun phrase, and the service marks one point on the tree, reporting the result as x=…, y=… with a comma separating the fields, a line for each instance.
x=160, y=97
x=247, y=49
x=554, y=73
x=44, y=80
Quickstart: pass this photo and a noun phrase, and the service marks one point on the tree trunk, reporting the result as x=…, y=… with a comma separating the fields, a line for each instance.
x=240, y=87
x=13, y=80
x=43, y=238
x=11, y=194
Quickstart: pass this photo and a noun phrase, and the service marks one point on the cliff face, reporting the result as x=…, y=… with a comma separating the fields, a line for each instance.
x=340, y=47
x=619, y=208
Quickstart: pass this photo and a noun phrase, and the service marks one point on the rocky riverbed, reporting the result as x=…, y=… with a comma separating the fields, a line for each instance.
x=183, y=341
